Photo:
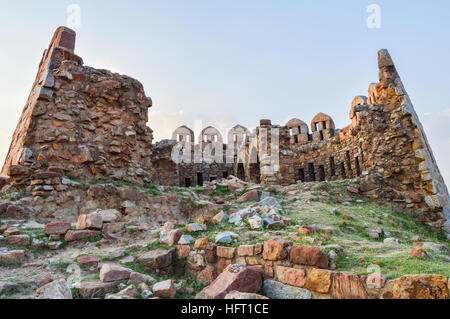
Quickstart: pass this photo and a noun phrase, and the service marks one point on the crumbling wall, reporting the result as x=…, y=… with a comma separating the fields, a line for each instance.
x=385, y=145
x=80, y=122
x=181, y=162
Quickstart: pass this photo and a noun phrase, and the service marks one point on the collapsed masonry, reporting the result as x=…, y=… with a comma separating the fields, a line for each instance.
x=81, y=122
x=89, y=124
x=385, y=146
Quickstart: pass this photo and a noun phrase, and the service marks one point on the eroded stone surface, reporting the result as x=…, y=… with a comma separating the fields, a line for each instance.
x=417, y=287
x=234, y=278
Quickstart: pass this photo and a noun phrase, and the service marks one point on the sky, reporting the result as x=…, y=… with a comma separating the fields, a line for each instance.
x=234, y=62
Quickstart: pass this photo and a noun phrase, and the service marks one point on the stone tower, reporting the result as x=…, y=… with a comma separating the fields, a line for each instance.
x=80, y=122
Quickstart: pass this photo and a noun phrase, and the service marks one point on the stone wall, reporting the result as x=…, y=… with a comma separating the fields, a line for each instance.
x=385, y=146
x=186, y=173
x=301, y=272
x=79, y=122
x=88, y=124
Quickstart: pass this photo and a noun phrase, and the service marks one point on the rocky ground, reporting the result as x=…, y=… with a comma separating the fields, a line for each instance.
x=329, y=225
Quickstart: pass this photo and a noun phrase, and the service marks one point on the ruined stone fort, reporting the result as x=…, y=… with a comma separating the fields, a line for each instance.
x=84, y=123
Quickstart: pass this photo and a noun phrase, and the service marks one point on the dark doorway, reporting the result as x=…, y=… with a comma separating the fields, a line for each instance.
x=225, y=175
x=300, y=175
x=358, y=168
x=255, y=173
x=332, y=166
x=321, y=135
x=187, y=182
x=311, y=172
x=343, y=173
x=349, y=162
x=200, y=179
x=322, y=173
x=241, y=171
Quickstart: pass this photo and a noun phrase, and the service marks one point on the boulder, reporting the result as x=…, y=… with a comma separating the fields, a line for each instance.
x=221, y=217
x=170, y=237
x=88, y=260
x=234, y=278
x=271, y=202
x=193, y=228
x=57, y=228
x=19, y=240
x=310, y=256
x=225, y=237
x=165, y=289
x=319, y=281
x=95, y=289
x=277, y=290
x=275, y=250
x=75, y=235
x=226, y=252
x=255, y=222
x=391, y=241
x=201, y=243
x=417, y=287
x=111, y=272
x=58, y=289
x=91, y=221
x=138, y=278
x=251, y=195
x=246, y=250
x=348, y=286
x=109, y=215
x=291, y=276
x=156, y=259
x=128, y=293
x=186, y=240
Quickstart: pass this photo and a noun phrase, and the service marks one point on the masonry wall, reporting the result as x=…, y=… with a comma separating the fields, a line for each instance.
x=81, y=122
x=385, y=146
x=185, y=173
x=305, y=272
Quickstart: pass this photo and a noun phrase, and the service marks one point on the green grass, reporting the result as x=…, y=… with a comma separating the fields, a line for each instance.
x=316, y=208
x=154, y=245
x=395, y=266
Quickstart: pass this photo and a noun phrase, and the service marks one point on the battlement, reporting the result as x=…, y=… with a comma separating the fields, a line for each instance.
x=79, y=122
x=384, y=145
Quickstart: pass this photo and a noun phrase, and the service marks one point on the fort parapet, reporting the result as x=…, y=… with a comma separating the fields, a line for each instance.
x=86, y=123
x=79, y=122
x=385, y=146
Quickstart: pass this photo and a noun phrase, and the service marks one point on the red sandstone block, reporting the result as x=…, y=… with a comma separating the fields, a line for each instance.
x=275, y=250
x=222, y=264
x=74, y=235
x=291, y=276
x=19, y=240
x=88, y=260
x=46, y=175
x=226, y=252
x=234, y=278
x=57, y=228
x=310, y=256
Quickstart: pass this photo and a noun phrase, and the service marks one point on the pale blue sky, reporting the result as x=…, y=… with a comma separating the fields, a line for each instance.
x=230, y=61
